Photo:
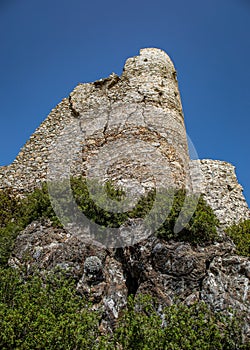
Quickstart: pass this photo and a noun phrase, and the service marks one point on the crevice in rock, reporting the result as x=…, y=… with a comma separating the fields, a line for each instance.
x=143, y=115
x=108, y=82
x=132, y=283
x=200, y=283
x=73, y=111
x=82, y=130
x=105, y=128
x=207, y=264
x=108, y=117
x=125, y=124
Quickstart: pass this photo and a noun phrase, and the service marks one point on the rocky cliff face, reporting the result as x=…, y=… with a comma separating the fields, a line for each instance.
x=130, y=130
x=164, y=270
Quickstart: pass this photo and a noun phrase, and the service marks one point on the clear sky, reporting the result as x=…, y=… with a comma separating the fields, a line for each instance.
x=49, y=46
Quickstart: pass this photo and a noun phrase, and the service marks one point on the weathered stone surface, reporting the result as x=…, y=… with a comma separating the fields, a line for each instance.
x=222, y=191
x=165, y=270
x=132, y=122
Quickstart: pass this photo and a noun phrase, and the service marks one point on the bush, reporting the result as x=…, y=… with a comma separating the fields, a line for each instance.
x=198, y=221
x=240, y=234
x=42, y=314
x=93, y=211
x=46, y=313
x=16, y=214
x=8, y=235
x=178, y=327
x=37, y=205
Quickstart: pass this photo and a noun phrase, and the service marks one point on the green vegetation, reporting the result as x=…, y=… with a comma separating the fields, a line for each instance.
x=240, y=234
x=16, y=213
x=8, y=207
x=48, y=314
x=42, y=314
x=200, y=222
x=178, y=327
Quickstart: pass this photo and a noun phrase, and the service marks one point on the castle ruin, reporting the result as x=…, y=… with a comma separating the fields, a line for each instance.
x=128, y=129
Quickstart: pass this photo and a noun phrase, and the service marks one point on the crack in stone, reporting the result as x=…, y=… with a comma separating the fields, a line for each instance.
x=143, y=115
x=207, y=264
x=130, y=115
x=108, y=117
x=80, y=126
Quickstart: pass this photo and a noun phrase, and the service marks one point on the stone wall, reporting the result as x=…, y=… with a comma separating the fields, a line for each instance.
x=29, y=168
x=130, y=130
x=222, y=191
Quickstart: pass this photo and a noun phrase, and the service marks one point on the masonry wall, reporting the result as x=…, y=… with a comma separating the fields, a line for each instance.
x=29, y=168
x=128, y=129
x=222, y=191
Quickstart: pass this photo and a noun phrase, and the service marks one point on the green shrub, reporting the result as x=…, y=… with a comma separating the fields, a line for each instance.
x=8, y=235
x=240, y=234
x=44, y=314
x=17, y=213
x=37, y=205
x=95, y=212
x=178, y=327
x=199, y=220
x=9, y=207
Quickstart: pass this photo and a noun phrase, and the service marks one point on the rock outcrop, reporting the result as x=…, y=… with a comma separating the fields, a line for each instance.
x=168, y=271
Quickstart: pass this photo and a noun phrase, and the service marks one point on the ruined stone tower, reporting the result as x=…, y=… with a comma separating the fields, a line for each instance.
x=128, y=129
x=131, y=126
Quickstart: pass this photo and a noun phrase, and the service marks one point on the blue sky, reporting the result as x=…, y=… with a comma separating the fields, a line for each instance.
x=49, y=46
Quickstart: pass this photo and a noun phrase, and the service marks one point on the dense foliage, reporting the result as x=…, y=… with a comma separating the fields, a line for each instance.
x=240, y=234
x=199, y=223
x=17, y=213
x=177, y=327
x=38, y=315
x=48, y=314
x=199, y=220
